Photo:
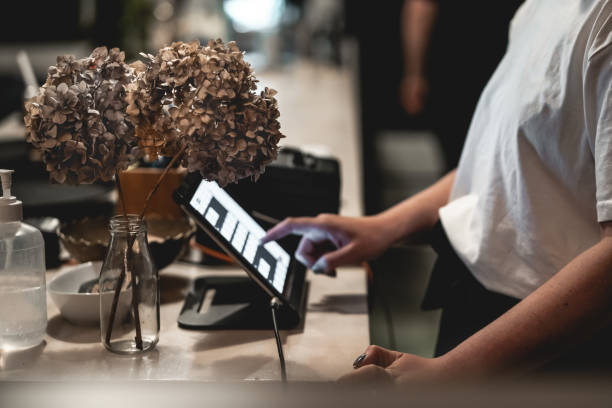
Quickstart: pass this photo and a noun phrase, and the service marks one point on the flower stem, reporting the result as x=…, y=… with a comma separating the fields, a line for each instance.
x=121, y=279
x=121, y=197
x=113, y=312
x=135, y=285
x=135, y=293
x=161, y=178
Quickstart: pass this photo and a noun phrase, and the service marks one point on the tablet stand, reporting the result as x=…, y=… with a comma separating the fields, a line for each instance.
x=230, y=302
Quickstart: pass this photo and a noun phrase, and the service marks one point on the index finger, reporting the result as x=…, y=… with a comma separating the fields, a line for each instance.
x=288, y=226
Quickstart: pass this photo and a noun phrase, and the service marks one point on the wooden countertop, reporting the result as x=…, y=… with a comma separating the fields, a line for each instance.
x=334, y=334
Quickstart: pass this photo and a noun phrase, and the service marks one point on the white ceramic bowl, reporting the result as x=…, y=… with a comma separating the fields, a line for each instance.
x=82, y=308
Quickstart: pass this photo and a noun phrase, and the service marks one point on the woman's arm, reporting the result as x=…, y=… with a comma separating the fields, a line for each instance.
x=569, y=308
x=413, y=217
x=418, y=17
x=329, y=240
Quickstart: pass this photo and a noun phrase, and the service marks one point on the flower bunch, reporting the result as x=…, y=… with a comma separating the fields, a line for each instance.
x=238, y=140
x=95, y=115
x=78, y=122
x=201, y=98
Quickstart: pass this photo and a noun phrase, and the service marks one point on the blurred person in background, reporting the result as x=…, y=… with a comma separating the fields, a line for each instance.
x=523, y=227
x=451, y=48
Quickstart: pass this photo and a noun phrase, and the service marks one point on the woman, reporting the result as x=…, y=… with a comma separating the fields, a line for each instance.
x=523, y=226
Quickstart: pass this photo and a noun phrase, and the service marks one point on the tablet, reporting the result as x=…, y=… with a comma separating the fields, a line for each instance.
x=234, y=230
x=242, y=233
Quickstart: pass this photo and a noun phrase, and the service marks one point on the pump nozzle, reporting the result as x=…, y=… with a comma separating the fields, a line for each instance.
x=10, y=208
x=6, y=182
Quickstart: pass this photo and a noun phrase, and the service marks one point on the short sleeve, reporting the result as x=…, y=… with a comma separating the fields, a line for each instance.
x=521, y=13
x=598, y=107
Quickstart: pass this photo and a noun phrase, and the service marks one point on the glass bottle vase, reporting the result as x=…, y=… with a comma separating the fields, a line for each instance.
x=129, y=289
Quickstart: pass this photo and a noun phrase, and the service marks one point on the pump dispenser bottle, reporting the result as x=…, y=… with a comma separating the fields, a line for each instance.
x=23, y=301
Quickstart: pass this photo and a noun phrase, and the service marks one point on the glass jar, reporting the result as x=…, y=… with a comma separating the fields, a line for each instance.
x=129, y=289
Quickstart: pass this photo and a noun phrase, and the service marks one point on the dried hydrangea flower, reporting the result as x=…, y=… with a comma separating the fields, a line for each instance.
x=238, y=141
x=146, y=109
x=78, y=121
x=201, y=98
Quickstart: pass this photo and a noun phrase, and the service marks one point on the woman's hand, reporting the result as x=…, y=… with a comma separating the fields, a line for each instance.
x=379, y=365
x=413, y=93
x=329, y=240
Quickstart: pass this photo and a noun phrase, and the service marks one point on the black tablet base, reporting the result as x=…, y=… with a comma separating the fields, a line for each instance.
x=230, y=303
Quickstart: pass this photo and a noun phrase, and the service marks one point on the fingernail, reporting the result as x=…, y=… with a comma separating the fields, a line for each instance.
x=320, y=266
x=358, y=360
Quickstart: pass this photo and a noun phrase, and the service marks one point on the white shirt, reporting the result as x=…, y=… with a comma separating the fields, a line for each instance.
x=535, y=177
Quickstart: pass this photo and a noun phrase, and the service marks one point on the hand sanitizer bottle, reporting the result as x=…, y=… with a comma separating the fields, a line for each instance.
x=23, y=301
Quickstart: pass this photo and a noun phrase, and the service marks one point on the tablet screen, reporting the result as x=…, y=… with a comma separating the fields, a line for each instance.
x=220, y=210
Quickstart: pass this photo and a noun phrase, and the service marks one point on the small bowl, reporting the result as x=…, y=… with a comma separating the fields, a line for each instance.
x=82, y=308
x=87, y=239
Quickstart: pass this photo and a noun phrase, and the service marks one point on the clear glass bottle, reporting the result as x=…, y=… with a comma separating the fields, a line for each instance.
x=23, y=300
x=129, y=318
